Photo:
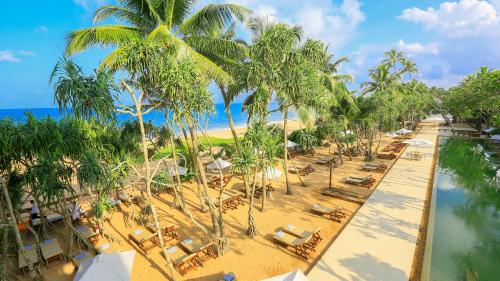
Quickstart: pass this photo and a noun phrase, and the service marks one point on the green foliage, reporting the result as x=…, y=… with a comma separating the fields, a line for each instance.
x=307, y=138
x=476, y=98
x=162, y=182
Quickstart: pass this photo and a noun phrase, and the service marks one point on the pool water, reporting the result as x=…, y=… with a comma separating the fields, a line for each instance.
x=466, y=216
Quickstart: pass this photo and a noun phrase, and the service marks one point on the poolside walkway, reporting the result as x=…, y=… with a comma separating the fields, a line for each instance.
x=379, y=242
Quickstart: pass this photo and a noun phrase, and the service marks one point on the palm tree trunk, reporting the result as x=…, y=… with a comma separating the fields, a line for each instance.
x=138, y=108
x=13, y=221
x=264, y=188
x=285, y=149
x=252, y=229
x=4, y=240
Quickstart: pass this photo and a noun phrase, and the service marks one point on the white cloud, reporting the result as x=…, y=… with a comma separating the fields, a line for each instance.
x=418, y=49
x=335, y=24
x=41, y=29
x=90, y=4
x=8, y=56
x=11, y=56
x=458, y=19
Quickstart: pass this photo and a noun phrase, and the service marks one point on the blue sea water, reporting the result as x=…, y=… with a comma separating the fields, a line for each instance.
x=216, y=121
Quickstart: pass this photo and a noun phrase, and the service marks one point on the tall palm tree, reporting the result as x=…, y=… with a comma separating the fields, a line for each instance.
x=169, y=22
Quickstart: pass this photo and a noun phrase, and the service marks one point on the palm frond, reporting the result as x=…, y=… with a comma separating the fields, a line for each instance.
x=107, y=35
x=213, y=17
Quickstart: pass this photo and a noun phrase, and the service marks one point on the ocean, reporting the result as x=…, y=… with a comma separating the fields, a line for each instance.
x=216, y=121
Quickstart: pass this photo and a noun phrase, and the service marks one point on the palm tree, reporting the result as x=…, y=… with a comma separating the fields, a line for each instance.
x=169, y=22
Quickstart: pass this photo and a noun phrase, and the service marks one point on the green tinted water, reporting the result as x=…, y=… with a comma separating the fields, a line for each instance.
x=466, y=233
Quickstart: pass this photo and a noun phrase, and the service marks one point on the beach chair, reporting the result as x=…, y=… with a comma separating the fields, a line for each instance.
x=124, y=197
x=31, y=257
x=145, y=240
x=205, y=251
x=390, y=156
x=326, y=161
x=51, y=250
x=87, y=233
x=168, y=232
x=301, y=246
x=140, y=202
x=259, y=190
x=362, y=181
x=379, y=168
x=81, y=258
x=335, y=213
x=302, y=171
x=183, y=261
x=302, y=233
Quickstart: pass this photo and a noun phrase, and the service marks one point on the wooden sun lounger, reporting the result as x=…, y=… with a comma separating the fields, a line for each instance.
x=335, y=213
x=303, y=171
x=301, y=246
x=374, y=168
x=214, y=182
x=81, y=258
x=183, y=262
x=326, y=161
x=168, y=232
x=139, y=200
x=205, y=251
x=390, y=156
x=51, y=250
x=302, y=233
x=259, y=190
x=229, y=201
x=362, y=181
x=145, y=240
x=31, y=255
x=124, y=197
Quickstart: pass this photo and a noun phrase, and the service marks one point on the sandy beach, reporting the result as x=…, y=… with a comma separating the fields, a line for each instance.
x=249, y=258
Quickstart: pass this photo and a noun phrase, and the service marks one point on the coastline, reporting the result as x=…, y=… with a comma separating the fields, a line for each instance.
x=241, y=129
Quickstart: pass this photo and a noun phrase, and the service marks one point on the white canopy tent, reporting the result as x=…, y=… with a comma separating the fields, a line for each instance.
x=271, y=173
x=296, y=275
x=402, y=131
x=495, y=137
x=218, y=165
x=110, y=267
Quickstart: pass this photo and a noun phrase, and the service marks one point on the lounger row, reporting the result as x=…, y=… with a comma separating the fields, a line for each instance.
x=302, y=242
x=147, y=239
x=190, y=254
x=302, y=171
x=50, y=249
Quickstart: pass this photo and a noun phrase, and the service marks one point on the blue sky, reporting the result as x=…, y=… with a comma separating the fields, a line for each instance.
x=447, y=39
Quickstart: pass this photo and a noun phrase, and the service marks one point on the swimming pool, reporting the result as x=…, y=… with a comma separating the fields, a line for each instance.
x=464, y=223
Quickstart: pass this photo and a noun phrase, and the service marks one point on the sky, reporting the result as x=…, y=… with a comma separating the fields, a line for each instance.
x=447, y=40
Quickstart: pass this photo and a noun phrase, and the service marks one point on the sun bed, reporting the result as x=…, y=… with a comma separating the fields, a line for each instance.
x=51, y=250
x=87, y=233
x=362, y=181
x=141, y=203
x=124, y=197
x=302, y=233
x=301, y=246
x=81, y=258
x=52, y=218
x=145, y=240
x=335, y=213
x=168, y=232
x=303, y=171
x=183, y=261
x=326, y=161
x=31, y=257
x=379, y=168
x=259, y=190
x=205, y=251
x=389, y=156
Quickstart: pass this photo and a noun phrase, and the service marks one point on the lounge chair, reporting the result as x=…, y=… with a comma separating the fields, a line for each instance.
x=183, y=262
x=390, y=156
x=31, y=257
x=326, y=161
x=145, y=240
x=362, y=181
x=259, y=190
x=302, y=246
x=168, y=232
x=379, y=168
x=51, y=250
x=303, y=171
x=81, y=258
x=205, y=251
x=335, y=213
x=302, y=233
x=124, y=197
x=140, y=202
x=87, y=233
x=104, y=249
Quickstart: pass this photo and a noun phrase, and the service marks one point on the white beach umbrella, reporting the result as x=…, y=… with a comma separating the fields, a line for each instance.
x=419, y=143
x=110, y=267
x=296, y=275
x=495, y=137
x=271, y=173
x=392, y=135
x=402, y=131
x=171, y=170
x=218, y=165
x=291, y=144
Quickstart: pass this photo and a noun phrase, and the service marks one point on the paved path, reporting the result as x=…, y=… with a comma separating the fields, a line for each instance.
x=379, y=242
